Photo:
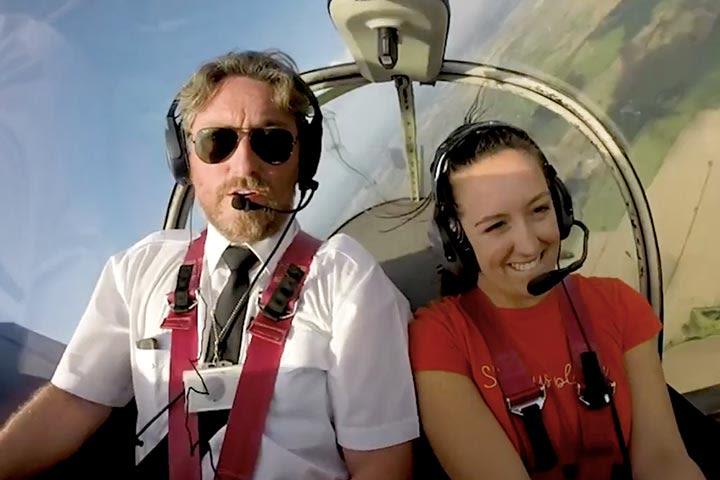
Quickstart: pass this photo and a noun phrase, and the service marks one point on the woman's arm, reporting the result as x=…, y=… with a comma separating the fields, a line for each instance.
x=656, y=449
x=462, y=430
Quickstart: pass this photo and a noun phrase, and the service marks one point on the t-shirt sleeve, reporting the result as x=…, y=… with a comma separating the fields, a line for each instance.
x=639, y=320
x=436, y=341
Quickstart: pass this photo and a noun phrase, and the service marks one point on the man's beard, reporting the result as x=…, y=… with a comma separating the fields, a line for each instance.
x=239, y=226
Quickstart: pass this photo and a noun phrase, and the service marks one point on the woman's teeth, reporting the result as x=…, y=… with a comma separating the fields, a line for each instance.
x=521, y=267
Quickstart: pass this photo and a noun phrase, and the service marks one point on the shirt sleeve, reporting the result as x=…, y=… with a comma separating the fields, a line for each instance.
x=370, y=380
x=434, y=343
x=640, y=322
x=96, y=363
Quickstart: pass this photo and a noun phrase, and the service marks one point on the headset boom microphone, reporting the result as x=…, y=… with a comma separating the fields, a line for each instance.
x=544, y=282
x=241, y=202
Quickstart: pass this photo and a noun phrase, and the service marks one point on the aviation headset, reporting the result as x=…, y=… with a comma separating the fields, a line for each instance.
x=309, y=133
x=455, y=244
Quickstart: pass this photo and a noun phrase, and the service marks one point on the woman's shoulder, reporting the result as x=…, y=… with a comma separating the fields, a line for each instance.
x=610, y=288
x=596, y=282
x=608, y=285
x=442, y=314
x=438, y=337
x=633, y=318
x=439, y=308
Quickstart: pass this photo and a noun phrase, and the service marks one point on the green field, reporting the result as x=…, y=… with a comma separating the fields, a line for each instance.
x=650, y=66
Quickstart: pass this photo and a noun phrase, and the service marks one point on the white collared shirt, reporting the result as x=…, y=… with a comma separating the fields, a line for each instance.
x=344, y=375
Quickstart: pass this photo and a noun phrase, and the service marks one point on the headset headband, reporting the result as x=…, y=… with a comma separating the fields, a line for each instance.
x=456, y=246
x=309, y=132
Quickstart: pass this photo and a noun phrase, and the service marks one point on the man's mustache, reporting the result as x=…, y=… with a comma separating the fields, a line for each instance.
x=246, y=183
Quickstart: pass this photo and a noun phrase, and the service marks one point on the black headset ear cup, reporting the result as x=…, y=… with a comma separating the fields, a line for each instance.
x=446, y=236
x=310, y=145
x=175, y=147
x=456, y=247
x=455, y=244
x=311, y=138
x=562, y=202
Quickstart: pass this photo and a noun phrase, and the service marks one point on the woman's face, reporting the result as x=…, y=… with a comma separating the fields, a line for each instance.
x=505, y=208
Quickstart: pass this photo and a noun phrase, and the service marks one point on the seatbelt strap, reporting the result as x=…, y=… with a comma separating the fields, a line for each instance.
x=601, y=450
x=269, y=331
x=600, y=456
x=182, y=320
x=524, y=398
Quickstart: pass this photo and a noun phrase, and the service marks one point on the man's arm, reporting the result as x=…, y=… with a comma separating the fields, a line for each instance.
x=391, y=462
x=370, y=381
x=46, y=430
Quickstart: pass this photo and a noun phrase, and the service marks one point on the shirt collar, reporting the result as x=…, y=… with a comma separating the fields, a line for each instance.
x=215, y=245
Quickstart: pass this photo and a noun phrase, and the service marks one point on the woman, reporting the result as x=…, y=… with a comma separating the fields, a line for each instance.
x=502, y=212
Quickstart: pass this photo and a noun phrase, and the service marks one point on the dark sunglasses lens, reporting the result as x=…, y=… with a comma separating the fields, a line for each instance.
x=213, y=145
x=272, y=145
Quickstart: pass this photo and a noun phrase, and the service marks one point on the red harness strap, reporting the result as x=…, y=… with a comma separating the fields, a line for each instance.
x=601, y=451
x=600, y=454
x=524, y=398
x=256, y=385
x=182, y=426
x=269, y=329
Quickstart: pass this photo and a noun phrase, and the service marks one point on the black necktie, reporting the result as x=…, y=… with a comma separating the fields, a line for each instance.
x=228, y=327
x=240, y=260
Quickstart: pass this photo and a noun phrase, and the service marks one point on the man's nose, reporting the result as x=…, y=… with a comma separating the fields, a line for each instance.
x=244, y=162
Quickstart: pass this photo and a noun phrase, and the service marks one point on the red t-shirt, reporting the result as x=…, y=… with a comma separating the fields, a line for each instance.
x=443, y=338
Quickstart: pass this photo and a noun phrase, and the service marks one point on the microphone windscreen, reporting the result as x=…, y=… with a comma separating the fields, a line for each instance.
x=543, y=283
x=239, y=202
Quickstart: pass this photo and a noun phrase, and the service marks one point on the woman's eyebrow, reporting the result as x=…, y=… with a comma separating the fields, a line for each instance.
x=498, y=216
x=488, y=218
x=537, y=197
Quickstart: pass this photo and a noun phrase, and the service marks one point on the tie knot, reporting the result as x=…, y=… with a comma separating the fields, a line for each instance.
x=236, y=257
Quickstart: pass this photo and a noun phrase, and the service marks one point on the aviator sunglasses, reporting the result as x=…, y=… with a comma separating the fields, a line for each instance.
x=216, y=144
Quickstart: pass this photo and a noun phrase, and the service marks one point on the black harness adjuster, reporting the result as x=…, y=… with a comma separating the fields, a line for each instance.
x=277, y=307
x=183, y=301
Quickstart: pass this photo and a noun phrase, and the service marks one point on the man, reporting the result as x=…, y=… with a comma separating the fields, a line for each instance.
x=343, y=405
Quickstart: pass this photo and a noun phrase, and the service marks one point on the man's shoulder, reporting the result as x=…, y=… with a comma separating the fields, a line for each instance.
x=349, y=264
x=159, y=249
x=162, y=239
x=344, y=248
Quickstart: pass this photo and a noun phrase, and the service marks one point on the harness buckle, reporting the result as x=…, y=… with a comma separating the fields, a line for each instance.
x=517, y=408
x=596, y=399
x=182, y=301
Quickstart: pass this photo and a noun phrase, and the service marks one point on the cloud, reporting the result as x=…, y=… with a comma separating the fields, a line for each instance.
x=53, y=241
x=62, y=10
x=165, y=25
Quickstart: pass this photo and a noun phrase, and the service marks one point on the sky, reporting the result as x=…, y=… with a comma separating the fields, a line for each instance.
x=84, y=88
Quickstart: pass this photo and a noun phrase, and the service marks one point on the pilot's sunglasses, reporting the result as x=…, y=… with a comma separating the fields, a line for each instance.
x=216, y=144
